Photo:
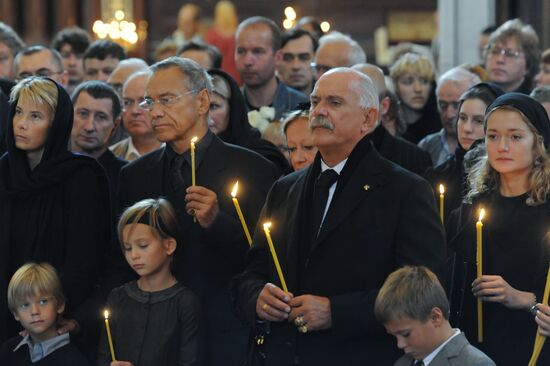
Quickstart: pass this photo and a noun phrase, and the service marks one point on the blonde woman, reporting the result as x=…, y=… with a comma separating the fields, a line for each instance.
x=54, y=205
x=413, y=77
x=512, y=183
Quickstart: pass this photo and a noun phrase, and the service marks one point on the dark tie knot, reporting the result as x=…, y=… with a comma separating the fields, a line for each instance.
x=177, y=162
x=418, y=363
x=326, y=179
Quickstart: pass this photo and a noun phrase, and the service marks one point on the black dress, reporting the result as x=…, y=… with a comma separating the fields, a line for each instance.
x=514, y=247
x=59, y=213
x=153, y=328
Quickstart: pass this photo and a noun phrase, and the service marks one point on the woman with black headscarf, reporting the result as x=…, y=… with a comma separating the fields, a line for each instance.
x=469, y=125
x=229, y=120
x=54, y=205
x=512, y=183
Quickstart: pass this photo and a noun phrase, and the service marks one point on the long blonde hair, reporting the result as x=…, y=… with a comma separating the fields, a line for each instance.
x=483, y=178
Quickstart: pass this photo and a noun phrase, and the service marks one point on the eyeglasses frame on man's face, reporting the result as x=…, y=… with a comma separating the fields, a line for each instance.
x=507, y=53
x=166, y=101
x=317, y=68
x=43, y=73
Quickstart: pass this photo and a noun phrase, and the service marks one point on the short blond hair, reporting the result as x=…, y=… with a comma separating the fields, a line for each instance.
x=34, y=279
x=158, y=214
x=412, y=291
x=37, y=90
x=412, y=63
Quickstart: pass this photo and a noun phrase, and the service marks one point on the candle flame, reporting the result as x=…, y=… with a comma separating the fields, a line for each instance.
x=235, y=189
x=194, y=139
x=106, y=314
x=481, y=214
x=441, y=189
x=267, y=225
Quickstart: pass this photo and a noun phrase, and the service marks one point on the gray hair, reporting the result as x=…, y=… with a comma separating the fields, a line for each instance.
x=363, y=86
x=541, y=94
x=458, y=75
x=196, y=79
x=10, y=38
x=29, y=51
x=356, y=53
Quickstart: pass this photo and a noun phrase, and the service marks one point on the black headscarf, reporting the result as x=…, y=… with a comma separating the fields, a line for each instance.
x=240, y=132
x=16, y=177
x=530, y=108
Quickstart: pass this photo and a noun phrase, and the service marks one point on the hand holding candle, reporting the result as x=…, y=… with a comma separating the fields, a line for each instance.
x=441, y=202
x=479, y=265
x=267, y=225
x=540, y=339
x=240, y=213
x=110, y=339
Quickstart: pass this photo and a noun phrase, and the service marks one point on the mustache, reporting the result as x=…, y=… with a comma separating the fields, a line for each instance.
x=320, y=121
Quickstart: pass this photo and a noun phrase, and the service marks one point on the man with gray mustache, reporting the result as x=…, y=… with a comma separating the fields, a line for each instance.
x=339, y=228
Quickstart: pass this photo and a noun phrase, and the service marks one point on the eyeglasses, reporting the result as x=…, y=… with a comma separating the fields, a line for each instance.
x=45, y=73
x=321, y=69
x=443, y=105
x=166, y=101
x=495, y=51
x=290, y=57
x=129, y=103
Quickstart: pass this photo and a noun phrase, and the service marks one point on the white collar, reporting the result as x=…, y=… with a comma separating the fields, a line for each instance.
x=337, y=168
x=429, y=358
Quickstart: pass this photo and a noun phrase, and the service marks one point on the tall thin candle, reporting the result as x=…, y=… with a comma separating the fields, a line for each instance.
x=110, y=339
x=267, y=225
x=193, y=178
x=441, y=202
x=479, y=262
x=540, y=339
x=240, y=213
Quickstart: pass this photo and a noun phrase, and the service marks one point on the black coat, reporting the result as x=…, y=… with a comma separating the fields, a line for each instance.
x=67, y=355
x=381, y=217
x=401, y=151
x=58, y=212
x=206, y=259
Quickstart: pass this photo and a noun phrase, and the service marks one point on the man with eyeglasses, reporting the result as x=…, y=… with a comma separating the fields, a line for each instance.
x=257, y=51
x=136, y=121
x=211, y=243
x=337, y=50
x=512, y=56
x=294, y=69
x=39, y=61
x=450, y=86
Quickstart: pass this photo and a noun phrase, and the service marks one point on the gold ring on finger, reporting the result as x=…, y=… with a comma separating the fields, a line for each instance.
x=303, y=329
x=299, y=321
x=265, y=306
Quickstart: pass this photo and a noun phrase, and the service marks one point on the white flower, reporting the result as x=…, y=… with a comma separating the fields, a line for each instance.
x=267, y=112
x=261, y=119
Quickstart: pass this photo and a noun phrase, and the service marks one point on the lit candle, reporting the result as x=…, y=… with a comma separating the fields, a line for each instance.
x=479, y=262
x=240, y=213
x=539, y=339
x=193, y=179
x=267, y=225
x=441, y=201
x=106, y=313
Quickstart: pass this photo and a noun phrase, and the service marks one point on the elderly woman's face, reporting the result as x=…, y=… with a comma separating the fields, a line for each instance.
x=31, y=123
x=509, y=142
x=219, y=113
x=300, y=144
x=413, y=90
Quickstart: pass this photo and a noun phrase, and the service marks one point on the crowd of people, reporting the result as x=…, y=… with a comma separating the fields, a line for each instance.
x=116, y=180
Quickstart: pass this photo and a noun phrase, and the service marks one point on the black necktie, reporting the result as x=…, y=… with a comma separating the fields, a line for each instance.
x=320, y=197
x=418, y=363
x=176, y=175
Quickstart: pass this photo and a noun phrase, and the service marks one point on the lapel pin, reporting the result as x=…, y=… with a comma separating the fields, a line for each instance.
x=366, y=187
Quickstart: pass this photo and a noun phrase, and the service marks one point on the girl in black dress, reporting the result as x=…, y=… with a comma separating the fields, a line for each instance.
x=512, y=183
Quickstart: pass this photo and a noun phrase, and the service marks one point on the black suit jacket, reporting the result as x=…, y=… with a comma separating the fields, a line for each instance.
x=381, y=217
x=401, y=151
x=206, y=259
